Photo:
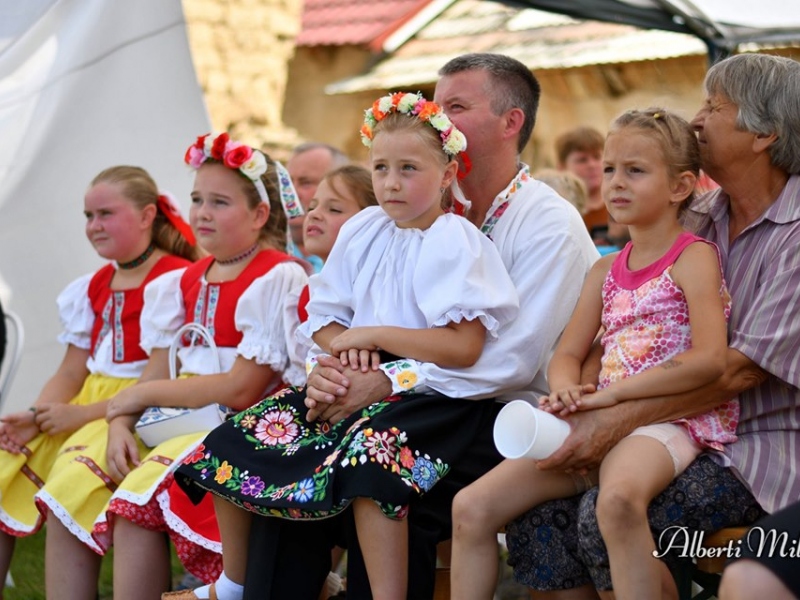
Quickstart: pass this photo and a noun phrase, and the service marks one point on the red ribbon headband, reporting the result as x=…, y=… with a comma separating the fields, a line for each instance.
x=173, y=216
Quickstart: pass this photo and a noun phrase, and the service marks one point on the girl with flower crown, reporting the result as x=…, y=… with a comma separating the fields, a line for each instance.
x=237, y=293
x=341, y=194
x=403, y=278
x=141, y=231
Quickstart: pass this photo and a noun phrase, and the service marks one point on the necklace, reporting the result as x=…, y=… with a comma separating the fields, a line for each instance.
x=139, y=260
x=239, y=257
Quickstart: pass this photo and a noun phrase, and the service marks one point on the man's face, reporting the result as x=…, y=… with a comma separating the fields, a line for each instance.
x=464, y=98
x=306, y=170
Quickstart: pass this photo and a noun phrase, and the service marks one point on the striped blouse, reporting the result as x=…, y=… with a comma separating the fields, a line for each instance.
x=762, y=268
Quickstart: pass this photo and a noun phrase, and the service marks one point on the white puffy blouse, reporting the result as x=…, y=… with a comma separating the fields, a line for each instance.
x=267, y=328
x=380, y=274
x=77, y=319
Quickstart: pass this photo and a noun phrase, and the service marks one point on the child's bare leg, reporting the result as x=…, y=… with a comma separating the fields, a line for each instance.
x=384, y=545
x=234, y=529
x=632, y=474
x=7, y=543
x=71, y=567
x=480, y=509
x=138, y=550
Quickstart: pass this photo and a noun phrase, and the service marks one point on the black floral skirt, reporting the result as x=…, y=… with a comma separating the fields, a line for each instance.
x=269, y=460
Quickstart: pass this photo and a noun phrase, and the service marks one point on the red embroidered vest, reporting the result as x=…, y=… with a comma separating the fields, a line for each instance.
x=214, y=304
x=302, y=304
x=116, y=312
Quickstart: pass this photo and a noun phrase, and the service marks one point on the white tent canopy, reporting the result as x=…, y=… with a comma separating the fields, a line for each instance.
x=84, y=85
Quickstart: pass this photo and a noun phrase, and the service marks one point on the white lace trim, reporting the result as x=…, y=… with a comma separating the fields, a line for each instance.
x=179, y=526
x=457, y=315
x=17, y=527
x=60, y=513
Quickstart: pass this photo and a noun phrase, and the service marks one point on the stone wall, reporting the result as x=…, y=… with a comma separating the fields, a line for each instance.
x=241, y=49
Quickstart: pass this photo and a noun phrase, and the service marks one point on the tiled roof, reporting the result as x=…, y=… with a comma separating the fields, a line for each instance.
x=356, y=22
x=538, y=39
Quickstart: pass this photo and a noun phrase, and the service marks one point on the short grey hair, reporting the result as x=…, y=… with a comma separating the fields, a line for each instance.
x=512, y=85
x=766, y=89
x=338, y=158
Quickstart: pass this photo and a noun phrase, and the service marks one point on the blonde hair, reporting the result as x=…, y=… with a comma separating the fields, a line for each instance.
x=139, y=187
x=568, y=185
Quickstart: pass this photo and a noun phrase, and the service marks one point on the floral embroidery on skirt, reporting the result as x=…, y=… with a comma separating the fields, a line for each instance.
x=268, y=459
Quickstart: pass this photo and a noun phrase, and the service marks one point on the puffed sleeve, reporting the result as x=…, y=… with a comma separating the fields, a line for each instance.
x=163, y=312
x=261, y=318
x=470, y=270
x=76, y=314
x=331, y=290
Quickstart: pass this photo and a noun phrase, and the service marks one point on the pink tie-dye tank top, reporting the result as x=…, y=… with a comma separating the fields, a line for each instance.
x=646, y=321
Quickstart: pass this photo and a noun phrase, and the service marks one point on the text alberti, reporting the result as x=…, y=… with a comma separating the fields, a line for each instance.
x=761, y=542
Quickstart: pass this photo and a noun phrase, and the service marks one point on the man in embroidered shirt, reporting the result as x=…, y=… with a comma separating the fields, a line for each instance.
x=749, y=134
x=544, y=245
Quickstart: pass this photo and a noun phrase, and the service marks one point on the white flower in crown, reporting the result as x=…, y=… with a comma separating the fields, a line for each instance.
x=413, y=105
x=209, y=142
x=455, y=143
x=255, y=167
x=385, y=104
x=408, y=102
x=441, y=122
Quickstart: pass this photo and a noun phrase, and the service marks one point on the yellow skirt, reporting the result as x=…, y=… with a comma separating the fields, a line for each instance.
x=140, y=485
x=23, y=475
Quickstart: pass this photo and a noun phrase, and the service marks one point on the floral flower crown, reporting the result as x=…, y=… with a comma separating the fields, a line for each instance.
x=414, y=105
x=249, y=162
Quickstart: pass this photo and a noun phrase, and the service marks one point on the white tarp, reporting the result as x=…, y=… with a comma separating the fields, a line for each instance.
x=84, y=85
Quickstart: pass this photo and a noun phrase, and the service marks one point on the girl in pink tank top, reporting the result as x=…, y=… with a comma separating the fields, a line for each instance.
x=662, y=307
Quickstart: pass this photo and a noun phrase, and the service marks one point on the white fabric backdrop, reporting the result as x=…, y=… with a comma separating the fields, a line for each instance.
x=84, y=84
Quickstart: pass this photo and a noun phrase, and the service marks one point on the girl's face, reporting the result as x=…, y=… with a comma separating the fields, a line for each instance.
x=327, y=212
x=637, y=187
x=409, y=177
x=220, y=216
x=117, y=229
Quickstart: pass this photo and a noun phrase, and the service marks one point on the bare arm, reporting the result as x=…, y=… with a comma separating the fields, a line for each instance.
x=457, y=345
x=122, y=451
x=564, y=373
x=322, y=337
x=595, y=432
x=696, y=272
x=17, y=429
x=68, y=379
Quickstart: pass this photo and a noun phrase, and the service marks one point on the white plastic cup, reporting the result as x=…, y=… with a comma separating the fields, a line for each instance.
x=524, y=431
